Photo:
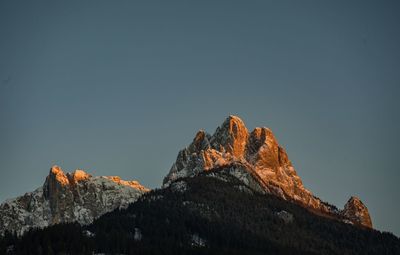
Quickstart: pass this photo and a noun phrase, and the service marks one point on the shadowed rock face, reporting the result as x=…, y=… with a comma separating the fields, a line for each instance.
x=69, y=197
x=357, y=212
x=257, y=153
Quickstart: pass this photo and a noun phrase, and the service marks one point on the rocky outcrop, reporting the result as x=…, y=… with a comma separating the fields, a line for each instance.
x=357, y=212
x=256, y=153
x=68, y=197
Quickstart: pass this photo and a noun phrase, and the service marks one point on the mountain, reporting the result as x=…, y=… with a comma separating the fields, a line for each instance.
x=72, y=197
x=212, y=213
x=257, y=159
x=233, y=192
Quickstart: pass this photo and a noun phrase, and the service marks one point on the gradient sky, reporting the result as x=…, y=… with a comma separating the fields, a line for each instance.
x=119, y=87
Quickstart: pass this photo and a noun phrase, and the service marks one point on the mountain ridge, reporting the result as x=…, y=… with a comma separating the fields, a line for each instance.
x=67, y=197
x=232, y=192
x=260, y=154
x=213, y=213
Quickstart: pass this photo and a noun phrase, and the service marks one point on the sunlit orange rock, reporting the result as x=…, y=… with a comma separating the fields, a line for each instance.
x=78, y=176
x=231, y=137
x=258, y=153
x=133, y=184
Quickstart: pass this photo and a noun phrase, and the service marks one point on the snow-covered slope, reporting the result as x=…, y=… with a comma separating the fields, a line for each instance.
x=69, y=197
x=257, y=159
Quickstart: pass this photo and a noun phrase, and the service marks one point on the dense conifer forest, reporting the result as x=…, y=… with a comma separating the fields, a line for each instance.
x=205, y=215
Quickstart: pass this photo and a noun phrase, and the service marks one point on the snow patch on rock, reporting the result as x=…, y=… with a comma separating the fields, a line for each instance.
x=197, y=241
x=179, y=186
x=76, y=197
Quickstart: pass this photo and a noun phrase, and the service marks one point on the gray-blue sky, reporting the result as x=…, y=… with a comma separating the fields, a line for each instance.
x=118, y=87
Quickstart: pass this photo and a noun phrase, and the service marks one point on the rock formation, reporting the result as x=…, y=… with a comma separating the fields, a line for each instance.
x=357, y=212
x=257, y=159
x=69, y=197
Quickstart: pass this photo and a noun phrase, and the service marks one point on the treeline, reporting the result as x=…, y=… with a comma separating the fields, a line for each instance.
x=210, y=216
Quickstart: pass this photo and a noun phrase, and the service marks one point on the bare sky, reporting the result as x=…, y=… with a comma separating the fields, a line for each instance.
x=118, y=87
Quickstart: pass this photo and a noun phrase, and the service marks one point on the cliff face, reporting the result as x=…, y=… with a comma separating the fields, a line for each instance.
x=68, y=197
x=257, y=157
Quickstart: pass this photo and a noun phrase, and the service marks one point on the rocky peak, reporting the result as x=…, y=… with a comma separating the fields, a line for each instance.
x=55, y=182
x=201, y=141
x=257, y=138
x=231, y=136
x=68, y=197
x=77, y=176
x=57, y=175
x=357, y=212
x=256, y=155
x=264, y=151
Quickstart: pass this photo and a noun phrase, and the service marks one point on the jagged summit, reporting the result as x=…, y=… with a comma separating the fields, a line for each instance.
x=256, y=157
x=232, y=136
x=68, y=197
x=79, y=175
x=58, y=177
x=56, y=174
